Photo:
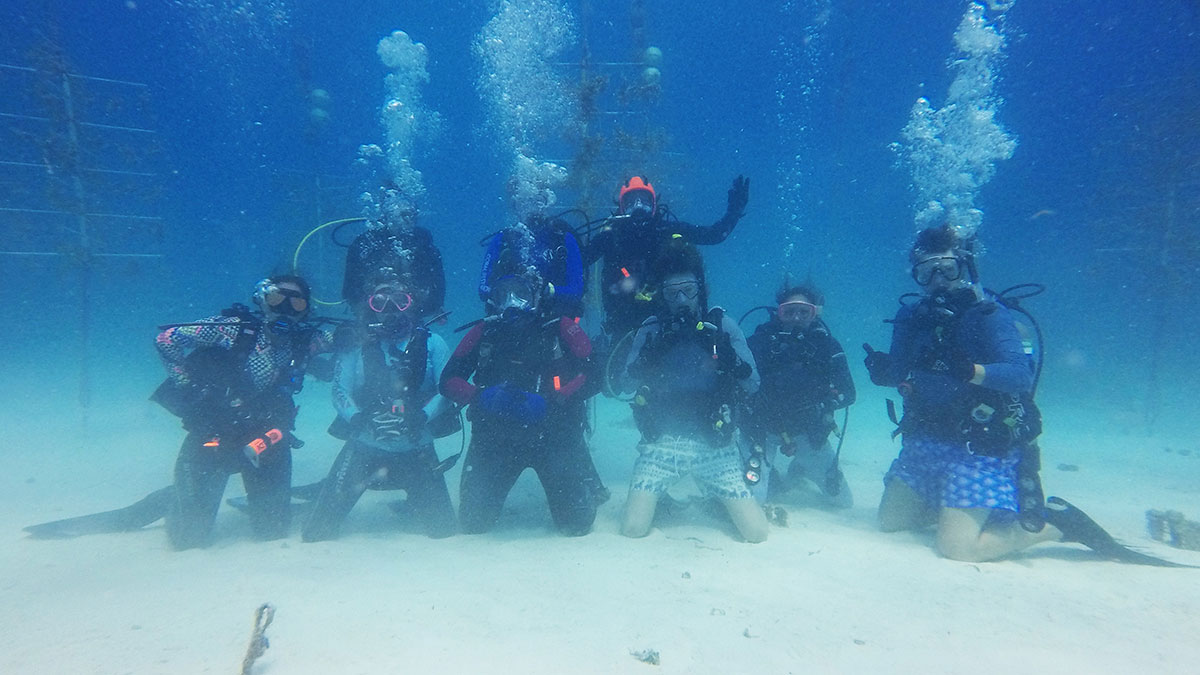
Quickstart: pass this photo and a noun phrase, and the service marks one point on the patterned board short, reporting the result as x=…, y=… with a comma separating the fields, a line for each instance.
x=945, y=474
x=717, y=471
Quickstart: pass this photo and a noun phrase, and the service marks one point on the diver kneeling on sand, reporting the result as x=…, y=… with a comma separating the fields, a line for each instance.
x=969, y=458
x=525, y=373
x=231, y=381
x=689, y=365
x=385, y=392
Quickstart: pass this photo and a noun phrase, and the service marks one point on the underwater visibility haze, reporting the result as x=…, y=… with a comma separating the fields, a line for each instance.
x=159, y=158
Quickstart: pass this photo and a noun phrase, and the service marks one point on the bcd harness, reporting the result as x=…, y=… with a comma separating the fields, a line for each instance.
x=990, y=422
x=220, y=398
x=714, y=416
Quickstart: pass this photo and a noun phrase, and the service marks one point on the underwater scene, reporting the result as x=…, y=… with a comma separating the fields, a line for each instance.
x=551, y=336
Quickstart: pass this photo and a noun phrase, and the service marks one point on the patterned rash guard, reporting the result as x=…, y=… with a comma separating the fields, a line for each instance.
x=264, y=364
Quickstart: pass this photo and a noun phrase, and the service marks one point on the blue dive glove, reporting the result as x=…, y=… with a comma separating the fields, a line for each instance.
x=507, y=401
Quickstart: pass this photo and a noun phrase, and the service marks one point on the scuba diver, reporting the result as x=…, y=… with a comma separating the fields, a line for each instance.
x=690, y=366
x=393, y=239
x=550, y=247
x=385, y=392
x=231, y=382
x=969, y=458
x=525, y=374
x=805, y=378
x=628, y=241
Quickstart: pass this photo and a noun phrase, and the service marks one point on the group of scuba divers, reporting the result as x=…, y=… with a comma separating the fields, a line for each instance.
x=746, y=418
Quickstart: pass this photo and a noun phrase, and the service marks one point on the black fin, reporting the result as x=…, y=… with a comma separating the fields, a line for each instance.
x=150, y=508
x=1078, y=527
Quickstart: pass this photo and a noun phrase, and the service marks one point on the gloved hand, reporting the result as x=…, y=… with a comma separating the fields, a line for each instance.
x=509, y=402
x=879, y=365
x=739, y=196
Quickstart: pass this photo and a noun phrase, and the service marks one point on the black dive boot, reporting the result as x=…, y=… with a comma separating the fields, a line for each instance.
x=1078, y=527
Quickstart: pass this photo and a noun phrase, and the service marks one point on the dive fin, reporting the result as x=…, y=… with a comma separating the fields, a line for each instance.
x=1078, y=527
x=305, y=493
x=136, y=516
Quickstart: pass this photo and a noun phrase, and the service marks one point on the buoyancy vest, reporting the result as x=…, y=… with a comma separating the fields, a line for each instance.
x=220, y=392
x=990, y=421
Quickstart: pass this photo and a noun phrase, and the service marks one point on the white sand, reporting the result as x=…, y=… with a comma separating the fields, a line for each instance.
x=827, y=594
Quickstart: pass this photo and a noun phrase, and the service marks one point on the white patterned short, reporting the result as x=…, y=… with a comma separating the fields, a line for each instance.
x=717, y=471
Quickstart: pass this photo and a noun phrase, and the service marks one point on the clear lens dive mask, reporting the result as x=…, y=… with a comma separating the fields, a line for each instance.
x=513, y=293
x=389, y=299
x=797, y=311
x=638, y=204
x=948, y=267
x=681, y=292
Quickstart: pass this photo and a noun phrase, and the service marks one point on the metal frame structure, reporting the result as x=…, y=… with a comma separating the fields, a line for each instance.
x=58, y=138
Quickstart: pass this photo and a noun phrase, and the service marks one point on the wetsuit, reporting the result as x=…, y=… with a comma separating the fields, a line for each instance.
x=410, y=251
x=629, y=251
x=525, y=382
x=689, y=381
x=805, y=378
x=961, y=441
x=369, y=381
x=238, y=384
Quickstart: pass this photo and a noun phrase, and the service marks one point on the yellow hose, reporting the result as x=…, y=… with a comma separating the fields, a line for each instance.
x=296, y=255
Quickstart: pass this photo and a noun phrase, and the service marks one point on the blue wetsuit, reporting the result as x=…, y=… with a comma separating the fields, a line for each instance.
x=948, y=457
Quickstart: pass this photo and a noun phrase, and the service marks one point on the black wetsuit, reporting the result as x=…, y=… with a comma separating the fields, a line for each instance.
x=805, y=378
x=232, y=385
x=547, y=360
x=410, y=251
x=629, y=251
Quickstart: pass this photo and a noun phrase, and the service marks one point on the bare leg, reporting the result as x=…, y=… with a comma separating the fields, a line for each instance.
x=639, y=513
x=748, y=517
x=902, y=508
x=961, y=536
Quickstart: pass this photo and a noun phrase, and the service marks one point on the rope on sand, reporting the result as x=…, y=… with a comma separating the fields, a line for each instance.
x=258, y=639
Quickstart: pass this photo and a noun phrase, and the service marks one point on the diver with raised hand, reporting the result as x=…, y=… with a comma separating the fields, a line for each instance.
x=690, y=366
x=805, y=379
x=385, y=391
x=231, y=380
x=524, y=372
x=628, y=242
x=969, y=458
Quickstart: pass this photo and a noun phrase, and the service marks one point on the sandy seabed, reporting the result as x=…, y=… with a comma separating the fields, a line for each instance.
x=828, y=593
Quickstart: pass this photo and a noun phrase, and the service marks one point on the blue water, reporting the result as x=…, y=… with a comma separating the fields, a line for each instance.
x=1100, y=202
x=805, y=98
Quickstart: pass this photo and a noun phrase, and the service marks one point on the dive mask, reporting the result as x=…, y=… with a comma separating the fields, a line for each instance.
x=797, y=311
x=681, y=292
x=513, y=293
x=389, y=299
x=949, y=267
x=285, y=302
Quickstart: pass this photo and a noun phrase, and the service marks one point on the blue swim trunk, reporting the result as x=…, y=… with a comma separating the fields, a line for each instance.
x=946, y=474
